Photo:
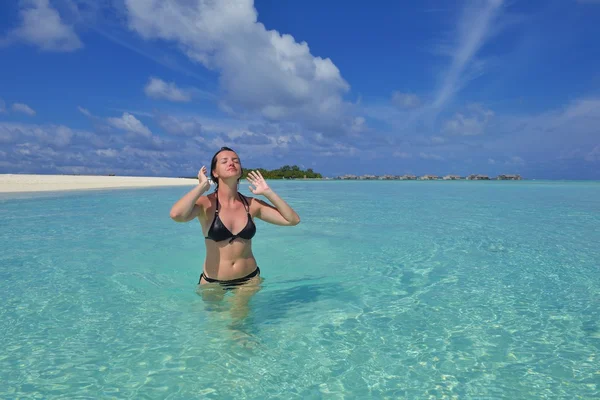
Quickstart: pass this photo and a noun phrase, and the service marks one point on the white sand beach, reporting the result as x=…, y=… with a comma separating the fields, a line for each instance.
x=18, y=183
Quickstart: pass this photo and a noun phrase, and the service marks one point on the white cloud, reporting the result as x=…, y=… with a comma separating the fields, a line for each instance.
x=180, y=126
x=515, y=160
x=477, y=21
x=109, y=153
x=129, y=123
x=138, y=113
x=430, y=156
x=570, y=154
x=256, y=138
x=2, y=107
x=586, y=108
x=159, y=89
x=63, y=136
x=593, y=155
x=397, y=118
x=491, y=161
x=84, y=111
x=58, y=136
x=469, y=125
x=260, y=70
x=41, y=25
x=580, y=115
x=23, y=108
x=473, y=29
x=32, y=148
x=60, y=149
x=558, y=132
x=358, y=125
x=405, y=100
x=402, y=154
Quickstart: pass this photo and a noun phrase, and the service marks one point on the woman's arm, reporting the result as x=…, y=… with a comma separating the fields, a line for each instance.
x=282, y=213
x=186, y=208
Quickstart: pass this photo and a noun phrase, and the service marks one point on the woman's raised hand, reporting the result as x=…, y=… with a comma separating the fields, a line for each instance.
x=202, y=179
x=256, y=179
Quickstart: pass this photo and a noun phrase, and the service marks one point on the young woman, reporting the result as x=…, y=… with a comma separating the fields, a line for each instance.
x=226, y=217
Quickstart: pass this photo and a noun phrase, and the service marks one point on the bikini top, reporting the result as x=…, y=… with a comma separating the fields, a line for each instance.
x=219, y=232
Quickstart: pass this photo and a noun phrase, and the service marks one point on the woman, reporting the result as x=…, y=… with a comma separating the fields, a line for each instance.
x=229, y=260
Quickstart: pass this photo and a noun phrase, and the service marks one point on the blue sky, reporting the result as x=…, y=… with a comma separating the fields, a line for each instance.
x=155, y=87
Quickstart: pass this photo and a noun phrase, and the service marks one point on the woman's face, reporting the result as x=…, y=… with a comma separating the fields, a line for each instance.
x=228, y=165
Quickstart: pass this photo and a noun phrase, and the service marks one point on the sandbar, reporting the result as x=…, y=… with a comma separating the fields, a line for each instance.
x=19, y=183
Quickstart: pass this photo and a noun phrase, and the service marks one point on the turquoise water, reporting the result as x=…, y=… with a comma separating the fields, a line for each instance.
x=399, y=289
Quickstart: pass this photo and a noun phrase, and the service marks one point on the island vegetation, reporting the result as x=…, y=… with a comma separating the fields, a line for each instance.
x=285, y=172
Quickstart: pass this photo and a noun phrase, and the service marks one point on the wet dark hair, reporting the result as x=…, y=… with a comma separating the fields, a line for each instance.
x=213, y=165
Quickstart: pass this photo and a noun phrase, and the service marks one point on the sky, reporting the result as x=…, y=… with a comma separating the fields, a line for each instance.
x=156, y=87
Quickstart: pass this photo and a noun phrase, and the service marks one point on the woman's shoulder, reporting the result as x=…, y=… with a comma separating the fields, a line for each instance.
x=253, y=202
x=205, y=200
x=256, y=204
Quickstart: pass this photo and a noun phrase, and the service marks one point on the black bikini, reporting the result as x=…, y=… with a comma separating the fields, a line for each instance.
x=232, y=282
x=219, y=232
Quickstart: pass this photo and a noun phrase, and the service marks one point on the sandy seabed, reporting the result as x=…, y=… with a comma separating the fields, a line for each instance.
x=18, y=183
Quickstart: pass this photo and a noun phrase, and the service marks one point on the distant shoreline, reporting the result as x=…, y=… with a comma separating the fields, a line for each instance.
x=429, y=177
x=23, y=183
x=475, y=177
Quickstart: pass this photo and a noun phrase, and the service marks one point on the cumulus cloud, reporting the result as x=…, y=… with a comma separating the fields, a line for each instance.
x=42, y=26
x=180, y=126
x=108, y=153
x=471, y=123
x=139, y=134
x=260, y=70
x=23, y=108
x=358, y=125
x=129, y=123
x=430, y=156
x=159, y=89
x=55, y=136
x=59, y=149
x=253, y=139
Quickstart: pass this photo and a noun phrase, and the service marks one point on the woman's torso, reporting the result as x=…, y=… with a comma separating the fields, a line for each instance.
x=228, y=256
